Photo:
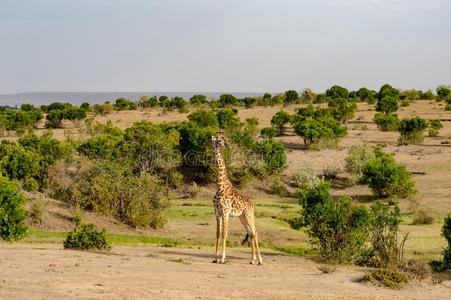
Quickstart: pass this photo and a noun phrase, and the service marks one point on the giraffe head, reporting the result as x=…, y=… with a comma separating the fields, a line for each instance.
x=218, y=140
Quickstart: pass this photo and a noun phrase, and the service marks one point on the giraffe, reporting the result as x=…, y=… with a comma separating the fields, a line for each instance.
x=227, y=202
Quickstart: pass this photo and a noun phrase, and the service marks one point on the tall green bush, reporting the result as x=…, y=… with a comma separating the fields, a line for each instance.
x=336, y=227
x=12, y=213
x=388, y=179
x=412, y=130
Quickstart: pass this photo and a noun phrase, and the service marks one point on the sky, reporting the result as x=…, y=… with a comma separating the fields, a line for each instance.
x=222, y=45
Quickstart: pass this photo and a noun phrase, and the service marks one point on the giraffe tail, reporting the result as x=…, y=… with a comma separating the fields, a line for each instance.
x=246, y=239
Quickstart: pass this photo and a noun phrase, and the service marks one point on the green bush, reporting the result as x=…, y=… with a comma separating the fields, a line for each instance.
x=17, y=119
x=434, y=127
x=228, y=100
x=337, y=228
x=386, y=122
x=337, y=92
x=343, y=109
x=291, y=96
x=268, y=132
x=198, y=100
x=105, y=143
x=12, y=213
x=320, y=132
x=443, y=92
x=387, y=90
x=30, y=184
x=383, y=236
x=366, y=95
x=273, y=155
x=387, y=105
x=111, y=189
x=86, y=237
x=17, y=162
x=412, y=130
x=388, y=179
x=123, y=104
x=280, y=120
x=358, y=157
x=446, y=233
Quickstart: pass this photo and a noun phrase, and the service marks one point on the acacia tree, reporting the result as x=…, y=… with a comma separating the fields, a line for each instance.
x=344, y=109
x=291, y=96
x=387, y=90
x=337, y=92
x=280, y=120
x=387, y=105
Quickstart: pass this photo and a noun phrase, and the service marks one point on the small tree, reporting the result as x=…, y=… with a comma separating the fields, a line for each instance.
x=365, y=94
x=388, y=179
x=336, y=228
x=228, y=100
x=198, y=99
x=386, y=122
x=344, y=109
x=412, y=130
x=387, y=90
x=280, y=120
x=291, y=96
x=387, y=105
x=12, y=213
x=434, y=127
x=337, y=92
x=446, y=233
x=443, y=92
x=268, y=132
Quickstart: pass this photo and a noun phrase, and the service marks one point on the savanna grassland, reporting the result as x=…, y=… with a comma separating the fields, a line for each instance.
x=174, y=261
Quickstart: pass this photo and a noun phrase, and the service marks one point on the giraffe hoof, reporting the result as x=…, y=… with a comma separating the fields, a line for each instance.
x=224, y=262
x=252, y=262
x=215, y=261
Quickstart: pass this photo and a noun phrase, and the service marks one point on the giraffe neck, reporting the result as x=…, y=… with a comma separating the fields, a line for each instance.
x=223, y=179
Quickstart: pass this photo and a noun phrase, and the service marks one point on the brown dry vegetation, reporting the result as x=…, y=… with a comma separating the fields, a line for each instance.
x=191, y=224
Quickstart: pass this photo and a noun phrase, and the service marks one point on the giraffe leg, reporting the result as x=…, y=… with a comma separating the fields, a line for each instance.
x=254, y=239
x=244, y=221
x=225, y=228
x=218, y=238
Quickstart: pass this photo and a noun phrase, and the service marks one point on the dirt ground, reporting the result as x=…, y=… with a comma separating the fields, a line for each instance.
x=46, y=271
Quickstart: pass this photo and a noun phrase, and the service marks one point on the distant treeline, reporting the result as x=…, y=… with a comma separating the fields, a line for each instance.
x=27, y=116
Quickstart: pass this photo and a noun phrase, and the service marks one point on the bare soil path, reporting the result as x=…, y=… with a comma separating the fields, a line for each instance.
x=46, y=271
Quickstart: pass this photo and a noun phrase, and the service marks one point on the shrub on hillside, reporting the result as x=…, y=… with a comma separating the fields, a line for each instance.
x=387, y=105
x=358, y=157
x=383, y=236
x=291, y=96
x=387, y=90
x=317, y=127
x=336, y=227
x=111, y=189
x=12, y=213
x=280, y=120
x=412, y=130
x=386, y=122
x=17, y=162
x=388, y=179
x=337, y=91
x=343, y=109
x=268, y=132
x=446, y=233
x=87, y=237
x=198, y=100
x=434, y=127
